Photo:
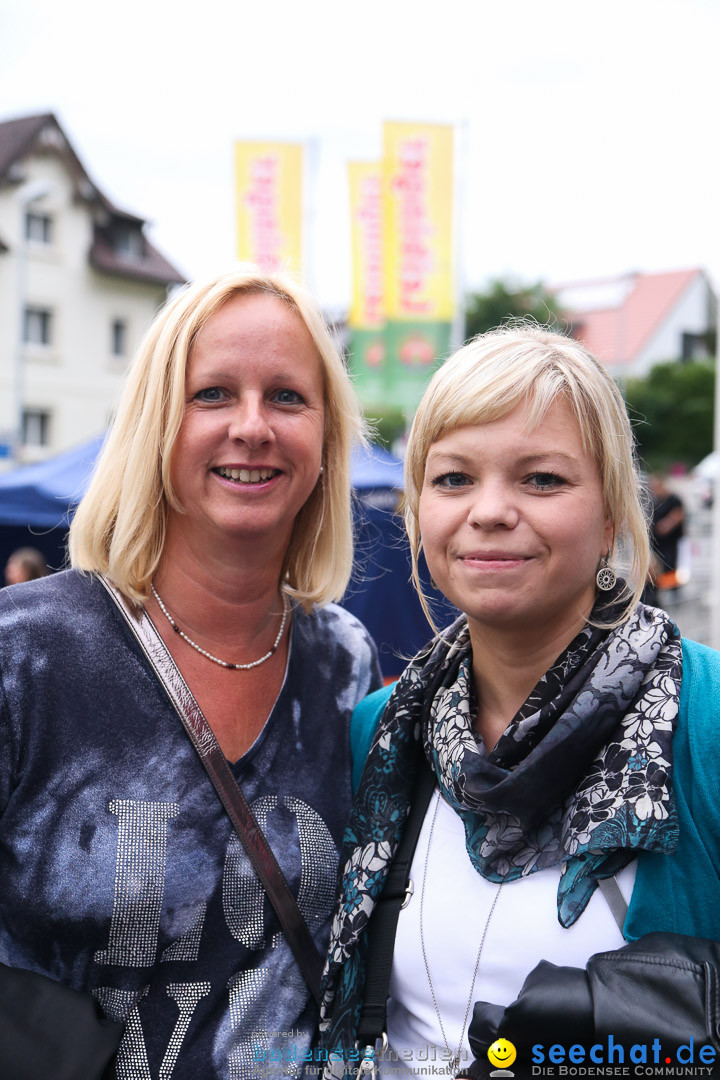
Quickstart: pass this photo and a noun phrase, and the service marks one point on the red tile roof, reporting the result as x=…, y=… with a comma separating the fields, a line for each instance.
x=617, y=334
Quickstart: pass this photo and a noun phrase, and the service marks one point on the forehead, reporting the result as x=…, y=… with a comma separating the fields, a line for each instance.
x=252, y=322
x=518, y=434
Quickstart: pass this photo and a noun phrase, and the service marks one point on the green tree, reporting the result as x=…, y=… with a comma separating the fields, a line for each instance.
x=672, y=413
x=504, y=299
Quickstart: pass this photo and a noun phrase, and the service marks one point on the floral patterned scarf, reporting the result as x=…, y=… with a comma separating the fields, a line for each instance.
x=580, y=778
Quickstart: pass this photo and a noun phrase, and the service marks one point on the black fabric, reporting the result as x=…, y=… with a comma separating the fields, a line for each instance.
x=383, y=924
x=50, y=1032
x=664, y=986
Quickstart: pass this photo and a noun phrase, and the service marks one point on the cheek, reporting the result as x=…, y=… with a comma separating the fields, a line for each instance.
x=302, y=438
x=434, y=532
x=187, y=454
x=424, y=521
x=582, y=539
x=181, y=452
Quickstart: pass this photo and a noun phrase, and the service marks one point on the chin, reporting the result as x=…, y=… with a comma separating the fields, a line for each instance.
x=494, y=607
x=232, y=531
x=503, y=619
x=523, y=620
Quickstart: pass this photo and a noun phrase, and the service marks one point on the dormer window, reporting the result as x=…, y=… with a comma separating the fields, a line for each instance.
x=128, y=241
x=38, y=228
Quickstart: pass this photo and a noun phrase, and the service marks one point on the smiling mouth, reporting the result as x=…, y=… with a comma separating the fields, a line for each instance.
x=246, y=476
x=492, y=559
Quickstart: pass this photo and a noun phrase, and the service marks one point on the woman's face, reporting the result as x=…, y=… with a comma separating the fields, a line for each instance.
x=249, y=450
x=513, y=523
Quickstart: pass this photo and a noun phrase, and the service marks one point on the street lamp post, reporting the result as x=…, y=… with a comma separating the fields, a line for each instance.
x=29, y=193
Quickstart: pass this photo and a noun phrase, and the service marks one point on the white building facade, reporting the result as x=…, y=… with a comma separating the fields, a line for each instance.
x=79, y=284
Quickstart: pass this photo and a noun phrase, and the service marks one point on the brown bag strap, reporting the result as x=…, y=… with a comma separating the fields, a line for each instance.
x=228, y=790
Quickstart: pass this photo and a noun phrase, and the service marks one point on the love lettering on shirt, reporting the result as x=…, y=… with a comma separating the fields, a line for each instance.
x=140, y=871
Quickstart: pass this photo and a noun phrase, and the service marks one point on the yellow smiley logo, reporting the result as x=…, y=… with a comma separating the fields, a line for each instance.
x=502, y=1053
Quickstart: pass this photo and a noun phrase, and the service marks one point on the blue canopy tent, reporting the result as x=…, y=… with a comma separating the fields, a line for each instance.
x=373, y=468
x=42, y=495
x=36, y=504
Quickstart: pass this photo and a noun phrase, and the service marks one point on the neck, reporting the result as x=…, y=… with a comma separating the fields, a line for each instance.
x=506, y=668
x=219, y=594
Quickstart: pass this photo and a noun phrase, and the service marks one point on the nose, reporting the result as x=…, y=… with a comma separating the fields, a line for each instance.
x=249, y=422
x=493, y=507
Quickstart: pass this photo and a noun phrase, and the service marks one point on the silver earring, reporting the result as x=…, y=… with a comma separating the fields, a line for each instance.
x=605, y=578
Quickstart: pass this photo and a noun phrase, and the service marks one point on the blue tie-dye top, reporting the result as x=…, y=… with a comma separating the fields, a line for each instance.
x=120, y=872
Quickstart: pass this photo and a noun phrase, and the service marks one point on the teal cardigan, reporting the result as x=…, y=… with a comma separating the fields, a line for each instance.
x=679, y=893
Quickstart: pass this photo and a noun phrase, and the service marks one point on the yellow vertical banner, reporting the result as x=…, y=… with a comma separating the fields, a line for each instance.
x=417, y=254
x=365, y=181
x=366, y=320
x=269, y=204
x=418, y=210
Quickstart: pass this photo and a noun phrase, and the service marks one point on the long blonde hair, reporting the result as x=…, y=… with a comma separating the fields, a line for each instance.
x=487, y=379
x=119, y=527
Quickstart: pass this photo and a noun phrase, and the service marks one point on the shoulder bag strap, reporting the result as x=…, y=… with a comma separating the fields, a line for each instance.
x=238, y=810
x=383, y=921
x=615, y=900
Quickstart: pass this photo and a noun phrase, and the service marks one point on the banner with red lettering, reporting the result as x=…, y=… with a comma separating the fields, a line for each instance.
x=366, y=321
x=417, y=255
x=268, y=187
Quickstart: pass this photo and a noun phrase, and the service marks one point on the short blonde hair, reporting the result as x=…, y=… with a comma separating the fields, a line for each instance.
x=497, y=371
x=119, y=527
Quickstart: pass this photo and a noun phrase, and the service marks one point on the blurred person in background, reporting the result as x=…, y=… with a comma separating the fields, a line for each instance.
x=214, y=534
x=666, y=532
x=558, y=737
x=25, y=564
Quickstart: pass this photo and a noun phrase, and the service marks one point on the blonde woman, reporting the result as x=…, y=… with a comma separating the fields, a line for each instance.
x=571, y=736
x=213, y=537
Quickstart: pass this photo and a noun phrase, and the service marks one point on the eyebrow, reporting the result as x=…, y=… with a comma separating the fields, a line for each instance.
x=219, y=374
x=527, y=459
x=544, y=455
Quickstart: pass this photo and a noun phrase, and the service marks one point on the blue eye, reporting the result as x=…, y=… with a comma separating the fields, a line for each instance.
x=545, y=481
x=450, y=480
x=287, y=397
x=210, y=394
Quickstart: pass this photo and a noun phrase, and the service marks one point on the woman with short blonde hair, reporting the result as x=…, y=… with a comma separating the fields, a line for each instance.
x=541, y=784
x=491, y=376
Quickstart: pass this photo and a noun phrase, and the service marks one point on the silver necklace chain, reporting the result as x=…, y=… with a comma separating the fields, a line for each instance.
x=215, y=659
x=454, y=1062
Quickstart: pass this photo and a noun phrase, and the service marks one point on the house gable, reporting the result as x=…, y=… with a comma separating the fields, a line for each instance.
x=119, y=247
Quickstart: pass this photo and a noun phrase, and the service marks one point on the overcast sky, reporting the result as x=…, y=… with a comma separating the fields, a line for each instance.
x=590, y=130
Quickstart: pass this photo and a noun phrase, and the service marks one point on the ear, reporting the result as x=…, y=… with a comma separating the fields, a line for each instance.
x=609, y=535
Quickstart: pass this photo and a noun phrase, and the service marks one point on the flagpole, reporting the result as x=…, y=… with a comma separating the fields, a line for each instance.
x=460, y=176
x=715, y=591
